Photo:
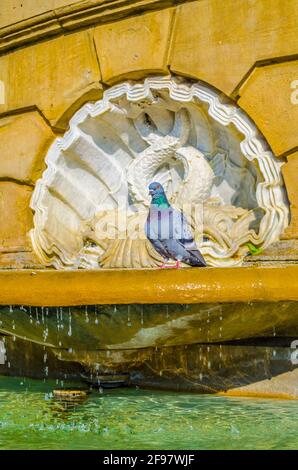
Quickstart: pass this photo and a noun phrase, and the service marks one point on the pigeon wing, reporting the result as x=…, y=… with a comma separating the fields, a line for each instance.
x=182, y=230
x=185, y=240
x=152, y=229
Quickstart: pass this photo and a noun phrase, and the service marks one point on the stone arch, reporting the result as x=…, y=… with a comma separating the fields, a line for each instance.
x=143, y=130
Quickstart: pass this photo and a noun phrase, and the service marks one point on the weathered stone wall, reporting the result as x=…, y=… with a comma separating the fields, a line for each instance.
x=244, y=48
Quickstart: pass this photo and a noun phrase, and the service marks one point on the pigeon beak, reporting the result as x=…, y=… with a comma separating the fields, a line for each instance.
x=151, y=192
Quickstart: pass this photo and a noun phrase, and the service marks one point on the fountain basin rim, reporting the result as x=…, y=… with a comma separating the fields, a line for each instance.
x=49, y=287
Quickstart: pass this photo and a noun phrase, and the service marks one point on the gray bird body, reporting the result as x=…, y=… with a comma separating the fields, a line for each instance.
x=169, y=232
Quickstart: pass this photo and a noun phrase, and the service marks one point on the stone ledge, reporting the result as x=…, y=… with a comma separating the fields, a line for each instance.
x=188, y=286
x=73, y=17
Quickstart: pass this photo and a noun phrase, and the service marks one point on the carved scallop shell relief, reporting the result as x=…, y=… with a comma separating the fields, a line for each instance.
x=203, y=149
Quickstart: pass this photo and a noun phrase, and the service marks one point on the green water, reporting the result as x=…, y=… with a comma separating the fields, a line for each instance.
x=137, y=419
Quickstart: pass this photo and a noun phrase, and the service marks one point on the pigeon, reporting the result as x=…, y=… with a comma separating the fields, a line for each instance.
x=169, y=232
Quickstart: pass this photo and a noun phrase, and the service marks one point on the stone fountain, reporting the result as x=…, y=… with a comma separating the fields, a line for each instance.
x=97, y=305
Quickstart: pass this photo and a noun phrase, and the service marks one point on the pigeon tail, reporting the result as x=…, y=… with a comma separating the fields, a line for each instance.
x=196, y=259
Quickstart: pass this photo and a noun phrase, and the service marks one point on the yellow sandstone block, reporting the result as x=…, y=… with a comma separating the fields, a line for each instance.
x=270, y=97
x=135, y=46
x=52, y=75
x=13, y=11
x=24, y=140
x=18, y=10
x=16, y=216
x=220, y=41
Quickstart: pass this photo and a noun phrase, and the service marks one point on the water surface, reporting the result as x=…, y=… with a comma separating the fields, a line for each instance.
x=30, y=418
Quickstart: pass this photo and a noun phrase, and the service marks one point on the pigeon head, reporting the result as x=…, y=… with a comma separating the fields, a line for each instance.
x=158, y=195
x=156, y=189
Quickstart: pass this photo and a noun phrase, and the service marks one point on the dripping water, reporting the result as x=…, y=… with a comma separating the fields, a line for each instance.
x=37, y=316
x=86, y=314
x=128, y=316
x=61, y=318
x=69, y=322
x=167, y=311
x=142, y=314
x=96, y=315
